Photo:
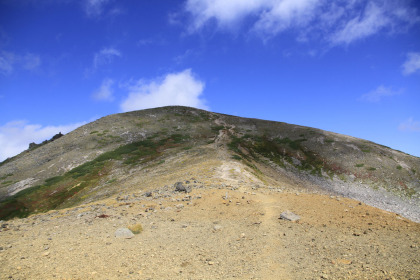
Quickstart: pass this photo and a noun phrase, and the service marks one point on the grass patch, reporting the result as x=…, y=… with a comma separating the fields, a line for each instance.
x=5, y=176
x=236, y=157
x=217, y=128
x=111, y=181
x=371, y=168
x=399, y=167
x=365, y=149
x=95, y=131
x=7, y=183
x=65, y=190
x=329, y=141
x=360, y=165
x=278, y=151
x=136, y=229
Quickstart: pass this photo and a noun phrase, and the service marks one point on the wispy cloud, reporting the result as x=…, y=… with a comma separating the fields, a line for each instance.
x=15, y=136
x=412, y=64
x=6, y=63
x=105, y=56
x=10, y=61
x=95, y=8
x=410, y=125
x=337, y=22
x=181, y=88
x=380, y=92
x=370, y=22
x=102, y=58
x=105, y=91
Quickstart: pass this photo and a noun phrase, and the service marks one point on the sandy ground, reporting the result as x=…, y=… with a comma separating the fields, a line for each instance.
x=213, y=233
x=227, y=227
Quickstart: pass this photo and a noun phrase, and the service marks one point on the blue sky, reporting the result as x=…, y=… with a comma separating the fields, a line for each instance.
x=348, y=66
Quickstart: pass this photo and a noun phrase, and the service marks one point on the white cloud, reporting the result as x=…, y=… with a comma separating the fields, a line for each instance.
x=95, y=8
x=174, y=89
x=224, y=12
x=412, y=64
x=377, y=94
x=6, y=63
x=285, y=14
x=105, y=56
x=15, y=136
x=410, y=125
x=336, y=22
x=10, y=61
x=102, y=58
x=31, y=61
x=105, y=92
x=370, y=22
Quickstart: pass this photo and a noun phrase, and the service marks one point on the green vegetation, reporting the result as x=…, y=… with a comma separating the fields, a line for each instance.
x=136, y=229
x=329, y=141
x=217, y=128
x=279, y=151
x=6, y=160
x=365, y=149
x=360, y=165
x=236, y=157
x=95, y=131
x=371, y=168
x=5, y=176
x=65, y=190
x=399, y=167
x=111, y=181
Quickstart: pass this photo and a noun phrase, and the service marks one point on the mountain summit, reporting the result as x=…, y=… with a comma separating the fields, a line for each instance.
x=147, y=149
x=180, y=163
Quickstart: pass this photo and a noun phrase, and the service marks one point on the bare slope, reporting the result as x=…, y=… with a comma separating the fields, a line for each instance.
x=121, y=170
x=152, y=148
x=214, y=232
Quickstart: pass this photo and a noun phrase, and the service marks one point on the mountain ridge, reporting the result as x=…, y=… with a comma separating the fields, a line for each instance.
x=201, y=195
x=269, y=152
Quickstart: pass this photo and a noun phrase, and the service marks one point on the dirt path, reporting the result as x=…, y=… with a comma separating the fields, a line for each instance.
x=272, y=255
x=213, y=233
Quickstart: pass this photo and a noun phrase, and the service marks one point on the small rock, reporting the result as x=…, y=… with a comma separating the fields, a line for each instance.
x=290, y=216
x=211, y=263
x=341, y=261
x=124, y=233
x=179, y=187
x=180, y=206
x=46, y=254
x=217, y=227
x=148, y=194
x=184, y=226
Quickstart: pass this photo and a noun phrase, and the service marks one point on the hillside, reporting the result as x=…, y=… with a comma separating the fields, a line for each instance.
x=358, y=201
x=151, y=148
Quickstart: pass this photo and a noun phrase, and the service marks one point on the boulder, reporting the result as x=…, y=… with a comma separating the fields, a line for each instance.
x=124, y=233
x=179, y=187
x=289, y=215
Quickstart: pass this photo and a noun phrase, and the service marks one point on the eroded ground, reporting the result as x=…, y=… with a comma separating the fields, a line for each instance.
x=213, y=233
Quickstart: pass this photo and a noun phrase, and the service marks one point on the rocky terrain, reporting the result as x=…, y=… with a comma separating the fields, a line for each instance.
x=204, y=193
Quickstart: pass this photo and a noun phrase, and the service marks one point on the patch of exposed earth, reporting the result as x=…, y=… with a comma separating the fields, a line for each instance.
x=213, y=233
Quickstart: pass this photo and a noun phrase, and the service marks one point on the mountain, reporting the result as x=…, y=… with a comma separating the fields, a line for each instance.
x=203, y=192
x=151, y=148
